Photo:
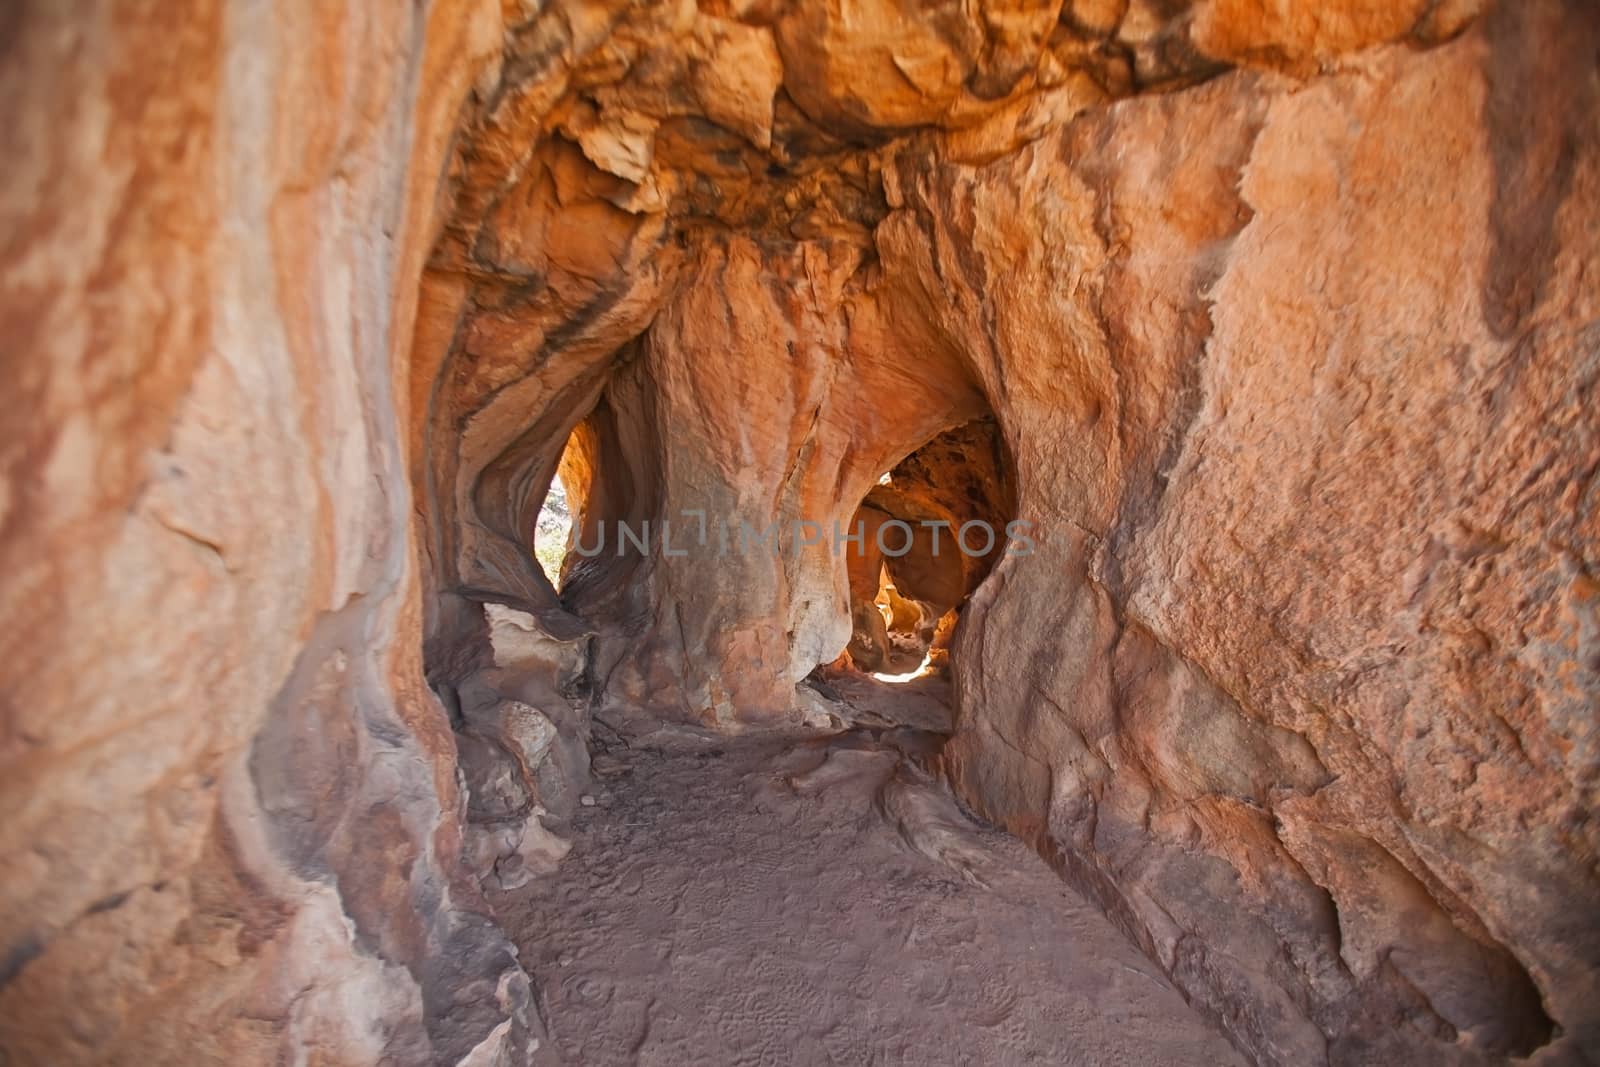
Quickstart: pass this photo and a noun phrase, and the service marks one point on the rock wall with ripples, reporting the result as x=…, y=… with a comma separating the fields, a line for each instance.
x=1284, y=318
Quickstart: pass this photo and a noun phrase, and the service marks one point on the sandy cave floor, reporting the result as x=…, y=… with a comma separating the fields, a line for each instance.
x=773, y=900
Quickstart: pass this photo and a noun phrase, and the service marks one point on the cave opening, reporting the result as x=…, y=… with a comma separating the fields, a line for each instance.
x=558, y=524
x=933, y=526
x=552, y=538
x=908, y=634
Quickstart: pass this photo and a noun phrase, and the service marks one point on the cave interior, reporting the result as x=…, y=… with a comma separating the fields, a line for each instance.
x=977, y=532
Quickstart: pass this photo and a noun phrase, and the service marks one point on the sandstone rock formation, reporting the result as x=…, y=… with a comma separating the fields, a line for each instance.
x=1278, y=323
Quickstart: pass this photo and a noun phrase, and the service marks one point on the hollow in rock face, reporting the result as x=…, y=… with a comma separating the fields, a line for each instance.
x=800, y=532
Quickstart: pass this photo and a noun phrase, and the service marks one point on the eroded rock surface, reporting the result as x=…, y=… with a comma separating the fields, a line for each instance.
x=1293, y=424
x=232, y=830
x=1283, y=321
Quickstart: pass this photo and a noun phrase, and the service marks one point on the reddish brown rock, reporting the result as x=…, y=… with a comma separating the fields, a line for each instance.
x=231, y=817
x=1277, y=323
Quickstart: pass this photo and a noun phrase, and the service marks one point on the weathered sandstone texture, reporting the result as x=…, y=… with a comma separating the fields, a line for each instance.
x=232, y=825
x=1279, y=323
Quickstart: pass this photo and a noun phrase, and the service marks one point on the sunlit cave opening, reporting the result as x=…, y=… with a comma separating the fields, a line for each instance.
x=552, y=534
x=910, y=628
x=934, y=526
x=557, y=526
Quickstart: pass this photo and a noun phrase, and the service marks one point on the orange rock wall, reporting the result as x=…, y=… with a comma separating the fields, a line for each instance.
x=1302, y=685
x=230, y=828
x=1285, y=313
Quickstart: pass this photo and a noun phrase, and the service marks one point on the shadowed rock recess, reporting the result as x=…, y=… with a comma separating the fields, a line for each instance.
x=1276, y=326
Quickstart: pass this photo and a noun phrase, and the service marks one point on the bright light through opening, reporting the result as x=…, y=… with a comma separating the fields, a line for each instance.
x=909, y=676
x=552, y=532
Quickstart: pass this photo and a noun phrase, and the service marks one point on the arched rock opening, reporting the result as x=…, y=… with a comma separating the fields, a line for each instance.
x=1292, y=355
x=553, y=532
x=768, y=320
x=932, y=529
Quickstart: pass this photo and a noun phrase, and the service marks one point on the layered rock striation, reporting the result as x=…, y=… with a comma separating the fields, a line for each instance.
x=1277, y=325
